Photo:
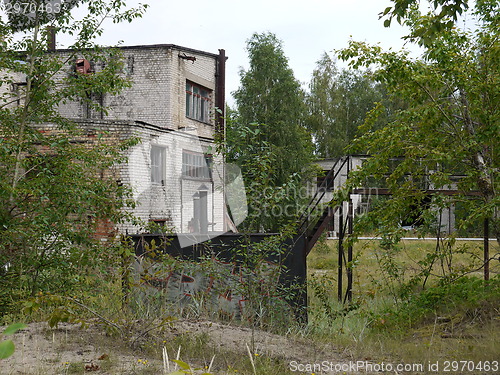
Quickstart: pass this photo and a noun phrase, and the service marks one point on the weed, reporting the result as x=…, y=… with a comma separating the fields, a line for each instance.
x=399, y=317
x=7, y=347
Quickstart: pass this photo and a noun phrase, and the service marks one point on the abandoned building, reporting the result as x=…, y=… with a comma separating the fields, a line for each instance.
x=171, y=105
x=175, y=106
x=361, y=198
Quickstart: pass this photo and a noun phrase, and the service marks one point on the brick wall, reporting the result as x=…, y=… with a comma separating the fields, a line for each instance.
x=153, y=108
x=173, y=200
x=157, y=94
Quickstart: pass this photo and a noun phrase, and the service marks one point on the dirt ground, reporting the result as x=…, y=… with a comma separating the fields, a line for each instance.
x=71, y=350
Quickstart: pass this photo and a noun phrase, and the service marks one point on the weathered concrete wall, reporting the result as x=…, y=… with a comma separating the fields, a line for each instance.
x=215, y=275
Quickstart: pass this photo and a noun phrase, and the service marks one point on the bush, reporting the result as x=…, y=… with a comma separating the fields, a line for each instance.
x=465, y=296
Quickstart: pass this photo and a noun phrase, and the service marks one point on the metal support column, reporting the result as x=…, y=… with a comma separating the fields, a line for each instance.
x=486, y=239
x=341, y=253
x=349, y=252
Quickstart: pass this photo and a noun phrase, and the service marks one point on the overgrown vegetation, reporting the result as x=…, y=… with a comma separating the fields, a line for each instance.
x=57, y=184
x=450, y=92
x=249, y=283
x=405, y=295
x=337, y=103
x=395, y=314
x=267, y=138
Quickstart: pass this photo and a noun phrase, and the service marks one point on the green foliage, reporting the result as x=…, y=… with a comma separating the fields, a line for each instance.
x=57, y=184
x=270, y=95
x=269, y=303
x=271, y=204
x=442, y=16
x=7, y=347
x=465, y=296
x=338, y=102
x=448, y=136
x=267, y=137
x=322, y=287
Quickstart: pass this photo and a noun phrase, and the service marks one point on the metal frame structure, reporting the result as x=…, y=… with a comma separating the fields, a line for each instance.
x=317, y=216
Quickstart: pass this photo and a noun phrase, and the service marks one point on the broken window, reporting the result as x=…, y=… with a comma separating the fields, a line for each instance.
x=158, y=165
x=198, y=101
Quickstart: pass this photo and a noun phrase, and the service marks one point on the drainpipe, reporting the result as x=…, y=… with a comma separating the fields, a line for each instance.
x=220, y=104
x=220, y=100
x=51, y=38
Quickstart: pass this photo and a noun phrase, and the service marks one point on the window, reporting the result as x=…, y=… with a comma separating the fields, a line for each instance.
x=18, y=92
x=322, y=183
x=196, y=165
x=158, y=165
x=198, y=100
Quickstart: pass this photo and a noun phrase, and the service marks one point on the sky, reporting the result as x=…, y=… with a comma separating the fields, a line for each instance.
x=308, y=28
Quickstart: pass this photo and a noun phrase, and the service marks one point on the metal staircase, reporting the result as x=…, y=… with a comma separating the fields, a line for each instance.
x=318, y=213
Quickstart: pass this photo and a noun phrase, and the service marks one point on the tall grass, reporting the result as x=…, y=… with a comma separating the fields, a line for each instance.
x=405, y=304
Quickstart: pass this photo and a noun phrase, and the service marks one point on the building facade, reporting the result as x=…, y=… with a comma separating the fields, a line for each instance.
x=174, y=106
x=338, y=170
x=171, y=106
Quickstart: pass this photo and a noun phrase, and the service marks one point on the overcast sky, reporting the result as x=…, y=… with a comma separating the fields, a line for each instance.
x=307, y=28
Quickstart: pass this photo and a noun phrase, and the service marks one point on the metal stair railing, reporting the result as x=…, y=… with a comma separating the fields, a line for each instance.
x=327, y=183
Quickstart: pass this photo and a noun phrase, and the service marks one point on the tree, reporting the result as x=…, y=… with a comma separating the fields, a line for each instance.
x=271, y=96
x=451, y=125
x=338, y=102
x=55, y=189
x=443, y=16
x=270, y=206
x=267, y=138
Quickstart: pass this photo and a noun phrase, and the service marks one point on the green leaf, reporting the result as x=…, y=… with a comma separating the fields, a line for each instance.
x=183, y=364
x=387, y=23
x=6, y=349
x=13, y=328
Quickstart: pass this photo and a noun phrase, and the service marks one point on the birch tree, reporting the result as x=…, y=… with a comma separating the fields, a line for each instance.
x=54, y=189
